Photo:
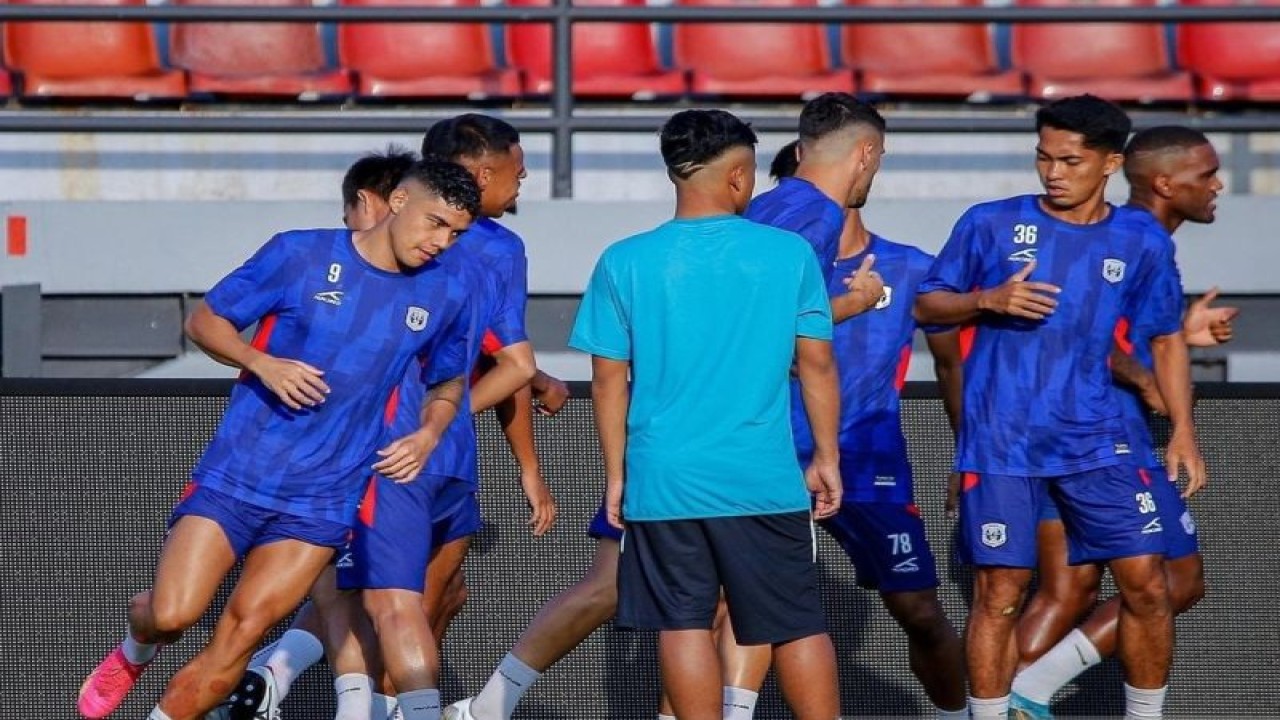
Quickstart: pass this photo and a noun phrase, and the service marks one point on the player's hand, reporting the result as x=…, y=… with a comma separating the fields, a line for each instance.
x=549, y=394
x=542, y=505
x=1206, y=326
x=866, y=283
x=296, y=383
x=613, y=502
x=1184, y=453
x=403, y=460
x=1020, y=298
x=823, y=479
x=952, y=506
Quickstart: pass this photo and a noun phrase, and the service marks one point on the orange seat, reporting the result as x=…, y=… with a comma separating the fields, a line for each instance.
x=88, y=59
x=1232, y=61
x=609, y=59
x=255, y=59
x=758, y=60
x=430, y=60
x=1117, y=61
x=940, y=60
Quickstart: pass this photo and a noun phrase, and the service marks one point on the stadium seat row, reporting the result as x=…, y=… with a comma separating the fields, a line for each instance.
x=1126, y=62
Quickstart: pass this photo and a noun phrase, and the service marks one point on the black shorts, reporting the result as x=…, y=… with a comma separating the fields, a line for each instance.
x=671, y=572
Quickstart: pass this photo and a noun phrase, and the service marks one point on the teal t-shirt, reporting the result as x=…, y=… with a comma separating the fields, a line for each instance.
x=707, y=311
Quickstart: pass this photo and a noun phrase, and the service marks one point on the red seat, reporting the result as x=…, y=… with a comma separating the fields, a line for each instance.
x=255, y=59
x=88, y=59
x=1232, y=61
x=609, y=59
x=1118, y=61
x=431, y=60
x=760, y=60
x=941, y=60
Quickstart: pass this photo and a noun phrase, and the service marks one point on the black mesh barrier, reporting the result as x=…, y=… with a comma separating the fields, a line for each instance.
x=89, y=472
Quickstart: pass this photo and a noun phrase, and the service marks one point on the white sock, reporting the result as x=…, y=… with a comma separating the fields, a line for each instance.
x=506, y=686
x=1071, y=656
x=158, y=714
x=290, y=656
x=989, y=707
x=961, y=714
x=1144, y=704
x=384, y=707
x=355, y=696
x=419, y=704
x=739, y=703
x=666, y=717
x=138, y=653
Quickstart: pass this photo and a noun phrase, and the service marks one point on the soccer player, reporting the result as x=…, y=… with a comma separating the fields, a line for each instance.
x=1044, y=280
x=1173, y=174
x=878, y=524
x=714, y=496
x=273, y=487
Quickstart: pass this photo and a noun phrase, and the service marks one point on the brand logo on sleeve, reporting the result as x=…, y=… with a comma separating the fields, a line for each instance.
x=994, y=534
x=416, y=318
x=1113, y=270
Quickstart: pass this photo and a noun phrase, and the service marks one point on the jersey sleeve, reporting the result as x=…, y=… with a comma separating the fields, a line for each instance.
x=507, y=326
x=813, y=308
x=255, y=288
x=1156, y=304
x=921, y=262
x=958, y=267
x=602, y=326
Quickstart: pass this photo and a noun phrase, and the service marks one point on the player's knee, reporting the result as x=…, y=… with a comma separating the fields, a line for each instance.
x=390, y=609
x=1186, y=589
x=923, y=621
x=169, y=618
x=1147, y=597
x=999, y=597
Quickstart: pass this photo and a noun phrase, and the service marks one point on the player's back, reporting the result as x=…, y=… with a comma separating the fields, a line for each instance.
x=800, y=207
x=1039, y=392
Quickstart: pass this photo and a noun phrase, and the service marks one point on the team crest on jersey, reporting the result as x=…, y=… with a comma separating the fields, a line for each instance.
x=994, y=534
x=886, y=297
x=416, y=318
x=1113, y=270
x=1188, y=525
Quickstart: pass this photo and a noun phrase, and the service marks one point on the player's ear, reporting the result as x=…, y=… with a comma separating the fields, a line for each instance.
x=397, y=200
x=1115, y=161
x=1162, y=185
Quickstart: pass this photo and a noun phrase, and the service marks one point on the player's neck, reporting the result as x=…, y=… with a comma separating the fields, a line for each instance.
x=834, y=182
x=374, y=245
x=692, y=204
x=855, y=238
x=1167, y=218
x=1094, y=210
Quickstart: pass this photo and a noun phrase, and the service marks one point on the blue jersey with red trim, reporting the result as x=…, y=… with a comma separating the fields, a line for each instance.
x=502, y=252
x=1038, y=395
x=797, y=205
x=872, y=351
x=455, y=455
x=319, y=301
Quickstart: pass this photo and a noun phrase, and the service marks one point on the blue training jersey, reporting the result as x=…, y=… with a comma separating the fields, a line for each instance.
x=797, y=205
x=317, y=300
x=502, y=252
x=455, y=455
x=1038, y=395
x=872, y=351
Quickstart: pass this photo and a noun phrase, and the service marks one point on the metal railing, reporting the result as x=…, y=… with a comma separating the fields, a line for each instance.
x=561, y=123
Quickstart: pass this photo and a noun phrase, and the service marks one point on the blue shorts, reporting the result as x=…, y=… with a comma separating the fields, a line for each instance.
x=248, y=526
x=455, y=512
x=391, y=544
x=887, y=545
x=600, y=528
x=1175, y=519
x=1108, y=513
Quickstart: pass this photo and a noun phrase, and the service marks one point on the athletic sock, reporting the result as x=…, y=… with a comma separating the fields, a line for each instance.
x=384, y=707
x=506, y=686
x=1071, y=656
x=138, y=653
x=1144, y=704
x=961, y=714
x=420, y=704
x=739, y=703
x=355, y=696
x=158, y=714
x=666, y=717
x=989, y=708
x=290, y=656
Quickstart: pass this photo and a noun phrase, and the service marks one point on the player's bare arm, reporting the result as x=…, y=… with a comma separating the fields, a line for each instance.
x=1016, y=297
x=1128, y=371
x=296, y=383
x=515, y=416
x=820, y=390
x=514, y=368
x=1173, y=378
x=948, y=368
x=550, y=393
x=404, y=458
x=611, y=397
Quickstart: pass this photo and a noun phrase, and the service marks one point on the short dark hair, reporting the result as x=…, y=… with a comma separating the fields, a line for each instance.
x=1165, y=137
x=834, y=111
x=376, y=172
x=470, y=135
x=1103, y=124
x=449, y=180
x=785, y=162
x=693, y=138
